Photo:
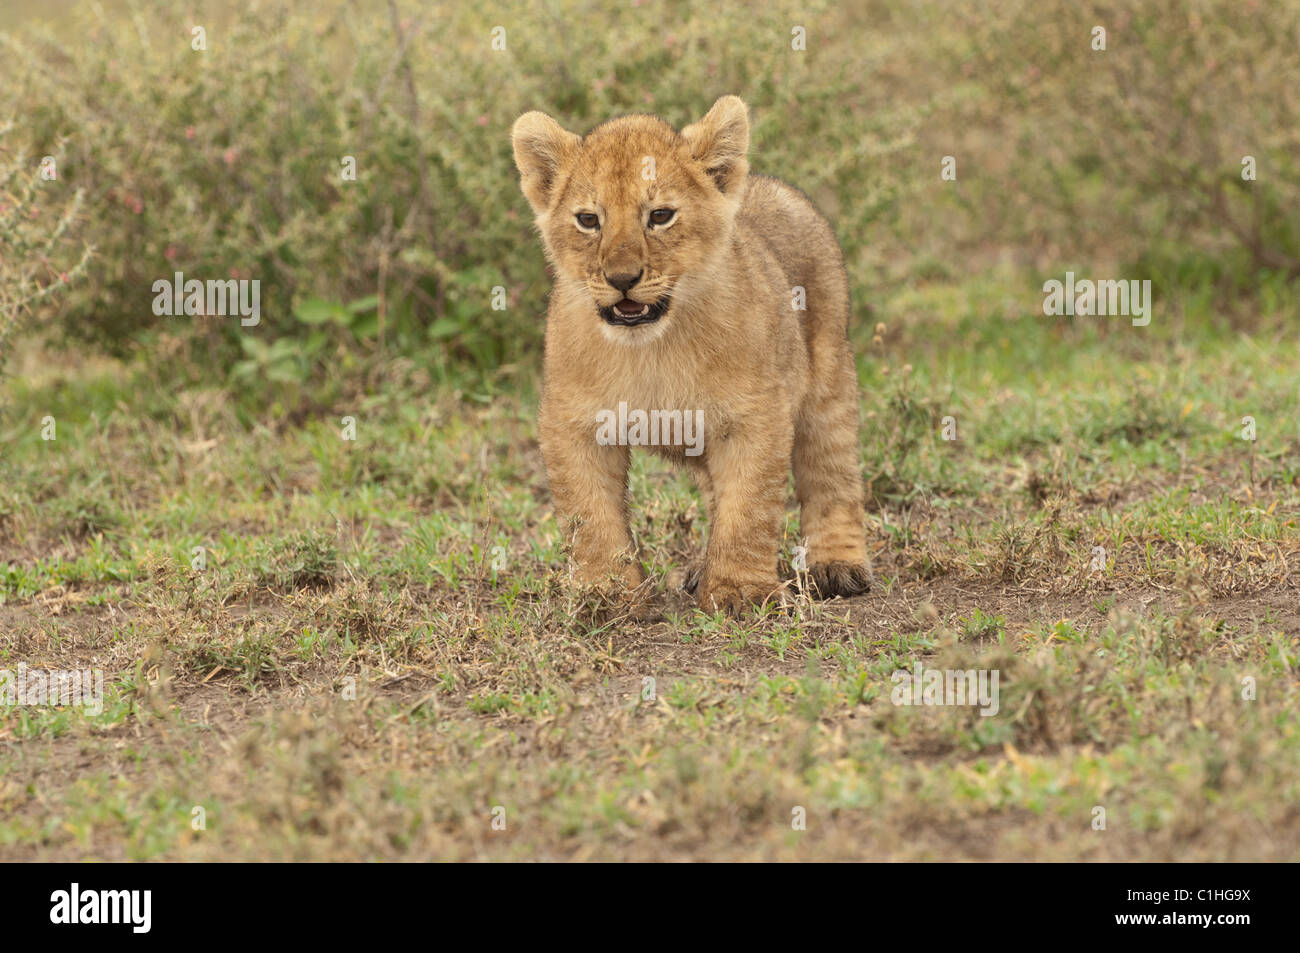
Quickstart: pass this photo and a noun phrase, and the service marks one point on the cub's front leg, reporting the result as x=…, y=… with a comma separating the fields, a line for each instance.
x=589, y=486
x=747, y=473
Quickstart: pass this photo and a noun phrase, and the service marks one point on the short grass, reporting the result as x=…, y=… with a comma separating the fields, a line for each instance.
x=326, y=649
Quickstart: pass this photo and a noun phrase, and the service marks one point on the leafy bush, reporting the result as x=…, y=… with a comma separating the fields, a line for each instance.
x=229, y=161
x=1131, y=157
x=36, y=217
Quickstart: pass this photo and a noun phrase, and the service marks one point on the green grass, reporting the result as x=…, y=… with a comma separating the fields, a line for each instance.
x=421, y=568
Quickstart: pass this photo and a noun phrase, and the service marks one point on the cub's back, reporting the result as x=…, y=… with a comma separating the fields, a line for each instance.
x=783, y=219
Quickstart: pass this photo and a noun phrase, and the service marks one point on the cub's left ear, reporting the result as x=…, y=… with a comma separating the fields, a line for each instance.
x=720, y=141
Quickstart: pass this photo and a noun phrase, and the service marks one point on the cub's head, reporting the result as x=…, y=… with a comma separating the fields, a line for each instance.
x=634, y=210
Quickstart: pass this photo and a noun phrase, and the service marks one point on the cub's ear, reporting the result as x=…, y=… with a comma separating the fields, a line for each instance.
x=720, y=141
x=542, y=148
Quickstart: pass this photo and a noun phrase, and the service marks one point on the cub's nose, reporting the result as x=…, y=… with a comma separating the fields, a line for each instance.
x=624, y=281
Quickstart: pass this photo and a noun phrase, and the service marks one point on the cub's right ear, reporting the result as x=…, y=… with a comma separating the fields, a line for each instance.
x=542, y=148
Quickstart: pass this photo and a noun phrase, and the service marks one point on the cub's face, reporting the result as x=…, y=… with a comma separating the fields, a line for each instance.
x=633, y=209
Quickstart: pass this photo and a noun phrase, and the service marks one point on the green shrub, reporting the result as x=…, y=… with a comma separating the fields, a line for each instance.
x=37, y=215
x=1130, y=159
x=228, y=162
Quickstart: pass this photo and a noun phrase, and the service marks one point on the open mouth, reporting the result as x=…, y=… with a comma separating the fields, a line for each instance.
x=628, y=313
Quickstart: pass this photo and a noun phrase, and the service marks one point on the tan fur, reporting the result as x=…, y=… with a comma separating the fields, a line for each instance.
x=775, y=384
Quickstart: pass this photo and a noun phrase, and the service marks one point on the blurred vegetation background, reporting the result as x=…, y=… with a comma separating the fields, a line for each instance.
x=227, y=162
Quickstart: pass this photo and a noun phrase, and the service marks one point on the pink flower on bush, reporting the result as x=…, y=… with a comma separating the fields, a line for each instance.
x=230, y=155
x=170, y=253
x=189, y=132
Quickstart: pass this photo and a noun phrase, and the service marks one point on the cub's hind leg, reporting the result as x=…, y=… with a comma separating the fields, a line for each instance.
x=700, y=473
x=828, y=480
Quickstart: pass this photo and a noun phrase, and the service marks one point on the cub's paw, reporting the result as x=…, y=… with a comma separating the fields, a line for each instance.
x=621, y=590
x=737, y=598
x=606, y=601
x=837, y=578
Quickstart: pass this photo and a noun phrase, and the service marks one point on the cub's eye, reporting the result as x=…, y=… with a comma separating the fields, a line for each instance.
x=588, y=220
x=662, y=216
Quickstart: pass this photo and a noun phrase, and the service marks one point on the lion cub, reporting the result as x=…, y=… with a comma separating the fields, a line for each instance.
x=687, y=289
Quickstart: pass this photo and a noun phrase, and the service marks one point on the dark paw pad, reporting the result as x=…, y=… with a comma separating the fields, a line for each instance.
x=828, y=580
